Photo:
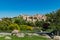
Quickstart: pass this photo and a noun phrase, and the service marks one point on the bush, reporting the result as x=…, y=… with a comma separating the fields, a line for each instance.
x=25, y=27
x=14, y=26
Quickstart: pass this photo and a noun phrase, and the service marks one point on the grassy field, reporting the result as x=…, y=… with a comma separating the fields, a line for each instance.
x=25, y=38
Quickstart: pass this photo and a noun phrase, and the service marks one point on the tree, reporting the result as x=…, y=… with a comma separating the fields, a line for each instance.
x=39, y=23
x=54, y=18
x=45, y=26
x=29, y=23
x=19, y=21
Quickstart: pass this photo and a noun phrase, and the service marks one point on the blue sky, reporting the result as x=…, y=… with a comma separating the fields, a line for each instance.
x=11, y=8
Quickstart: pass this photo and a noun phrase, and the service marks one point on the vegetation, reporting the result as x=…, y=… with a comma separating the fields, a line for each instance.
x=25, y=38
x=52, y=23
x=54, y=19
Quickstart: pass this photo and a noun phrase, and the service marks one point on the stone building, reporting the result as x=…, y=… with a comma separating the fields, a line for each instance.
x=34, y=17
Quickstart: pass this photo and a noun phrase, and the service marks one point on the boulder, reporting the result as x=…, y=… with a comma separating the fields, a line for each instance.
x=14, y=32
x=8, y=38
x=35, y=34
x=20, y=35
x=56, y=38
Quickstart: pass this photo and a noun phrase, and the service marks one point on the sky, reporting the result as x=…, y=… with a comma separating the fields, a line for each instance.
x=11, y=8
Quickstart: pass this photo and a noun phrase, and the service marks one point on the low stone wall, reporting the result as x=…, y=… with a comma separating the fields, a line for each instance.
x=23, y=34
x=5, y=33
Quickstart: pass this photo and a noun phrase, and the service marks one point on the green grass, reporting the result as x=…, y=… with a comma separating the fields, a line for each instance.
x=26, y=38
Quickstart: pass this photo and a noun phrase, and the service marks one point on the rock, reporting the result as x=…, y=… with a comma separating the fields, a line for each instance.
x=29, y=34
x=8, y=38
x=20, y=35
x=47, y=36
x=34, y=34
x=56, y=38
x=14, y=32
